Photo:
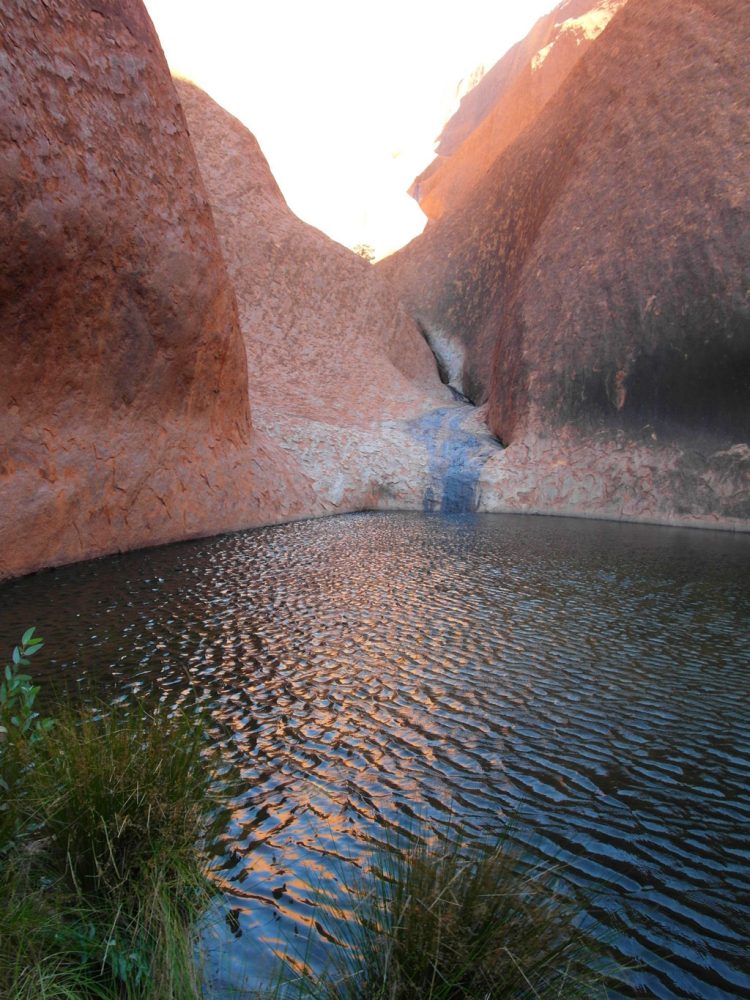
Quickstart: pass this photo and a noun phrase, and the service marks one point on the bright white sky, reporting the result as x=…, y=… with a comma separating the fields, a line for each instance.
x=346, y=97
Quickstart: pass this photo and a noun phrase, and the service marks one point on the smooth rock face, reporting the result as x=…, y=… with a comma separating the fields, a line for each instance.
x=123, y=380
x=338, y=372
x=596, y=280
x=508, y=99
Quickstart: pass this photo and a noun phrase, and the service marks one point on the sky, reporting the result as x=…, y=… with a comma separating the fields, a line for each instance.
x=346, y=98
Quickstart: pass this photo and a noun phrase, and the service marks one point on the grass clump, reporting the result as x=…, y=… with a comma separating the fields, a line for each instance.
x=103, y=861
x=118, y=792
x=38, y=958
x=454, y=922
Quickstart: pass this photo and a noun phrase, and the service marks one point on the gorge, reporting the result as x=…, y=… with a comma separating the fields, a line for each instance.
x=183, y=360
x=585, y=268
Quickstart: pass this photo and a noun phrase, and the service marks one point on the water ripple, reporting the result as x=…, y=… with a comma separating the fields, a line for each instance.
x=375, y=671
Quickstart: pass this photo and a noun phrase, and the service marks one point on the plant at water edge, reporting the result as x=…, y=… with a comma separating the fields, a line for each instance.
x=38, y=957
x=18, y=718
x=54, y=943
x=453, y=922
x=105, y=871
x=20, y=725
x=126, y=800
x=117, y=786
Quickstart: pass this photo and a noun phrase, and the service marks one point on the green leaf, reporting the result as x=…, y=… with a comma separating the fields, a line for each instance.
x=16, y=654
x=27, y=636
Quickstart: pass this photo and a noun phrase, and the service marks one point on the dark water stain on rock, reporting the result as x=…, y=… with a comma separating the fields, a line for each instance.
x=456, y=457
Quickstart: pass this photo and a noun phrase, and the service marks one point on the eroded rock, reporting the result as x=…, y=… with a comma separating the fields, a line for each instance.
x=123, y=380
x=337, y=370
x=507, y=100
x=596, y=279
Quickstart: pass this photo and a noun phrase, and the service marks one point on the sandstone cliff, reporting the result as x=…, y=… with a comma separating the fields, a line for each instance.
x=125, y=375
x=591, y=288
x=507, y=99
x=123, y=381
x=336, y=368
x=596, y=279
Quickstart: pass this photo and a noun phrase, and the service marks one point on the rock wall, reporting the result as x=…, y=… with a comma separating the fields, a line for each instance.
x=591, y=291
x=123, y=380
x=338, y=372
x=124, y=373
x=508, y=99
x=595, y=283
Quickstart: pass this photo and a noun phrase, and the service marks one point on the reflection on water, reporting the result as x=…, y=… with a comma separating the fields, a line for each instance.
x=590, y=678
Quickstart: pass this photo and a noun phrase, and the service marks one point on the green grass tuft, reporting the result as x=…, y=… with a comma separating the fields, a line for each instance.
x=458, y=923
x=107, y=875
x=118, y=791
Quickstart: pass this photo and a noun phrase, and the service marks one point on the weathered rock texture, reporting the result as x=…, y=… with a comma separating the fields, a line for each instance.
x=508, y=99
x=123, y=380
x=596, y=281
x=337, y=370
x=592, y=288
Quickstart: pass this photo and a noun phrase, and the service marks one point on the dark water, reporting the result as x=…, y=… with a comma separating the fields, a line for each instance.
x=589, y=678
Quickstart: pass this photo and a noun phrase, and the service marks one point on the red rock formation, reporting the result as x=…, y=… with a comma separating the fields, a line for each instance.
x=122, y=372
x=508, y=99
x=594, y=278
x=334, y=363
x=597, y=277
x=124, y=375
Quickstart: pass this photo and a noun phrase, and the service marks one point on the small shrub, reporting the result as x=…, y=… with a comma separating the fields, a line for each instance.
x=365, y=251
x=18, y=719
